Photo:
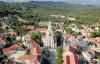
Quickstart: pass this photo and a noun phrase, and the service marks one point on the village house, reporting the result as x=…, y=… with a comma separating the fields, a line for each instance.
x=69, y=56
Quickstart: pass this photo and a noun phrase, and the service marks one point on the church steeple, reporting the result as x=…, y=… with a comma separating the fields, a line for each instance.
x=49, y=31
x=49, y=41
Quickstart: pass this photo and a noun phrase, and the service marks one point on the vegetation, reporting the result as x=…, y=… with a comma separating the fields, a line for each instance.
x=46, y=59
x=95, y=34
x=69, y=30
x=10, y=39
x=58, y=36
x=43, y=26
x=59, y=55
x=83, y=14
x=18, y=63
x=37, y=38
x=17, y=27
x=78, y=49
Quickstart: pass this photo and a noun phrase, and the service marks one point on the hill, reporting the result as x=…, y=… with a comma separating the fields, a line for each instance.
x=84, y=13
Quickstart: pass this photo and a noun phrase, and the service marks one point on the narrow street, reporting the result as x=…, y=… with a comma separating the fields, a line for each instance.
x=52, y=57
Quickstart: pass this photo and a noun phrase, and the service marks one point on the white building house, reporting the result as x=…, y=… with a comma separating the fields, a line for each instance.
x=71, y=18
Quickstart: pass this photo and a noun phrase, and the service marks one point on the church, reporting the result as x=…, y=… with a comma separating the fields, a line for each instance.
x=48, y=39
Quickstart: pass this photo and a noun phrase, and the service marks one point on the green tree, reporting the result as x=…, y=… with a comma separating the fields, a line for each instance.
x=17, y=26
x=69, y=30
x=95, y=34
x=37, y=38
x=58, y=36
x=78, y=49
x=10, y=39
x=59, y=55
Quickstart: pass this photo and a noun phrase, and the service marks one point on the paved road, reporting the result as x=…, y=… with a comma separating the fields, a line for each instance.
x=52, y=57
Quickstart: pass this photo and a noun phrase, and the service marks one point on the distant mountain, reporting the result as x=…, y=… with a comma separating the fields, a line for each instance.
x=50, y=3
x=45, y=8
x=1, y=2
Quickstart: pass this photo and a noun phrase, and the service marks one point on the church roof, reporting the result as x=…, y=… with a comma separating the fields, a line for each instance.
x=71, y=59
x=69, y=48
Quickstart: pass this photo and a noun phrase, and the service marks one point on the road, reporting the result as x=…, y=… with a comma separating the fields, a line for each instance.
x=52, y=57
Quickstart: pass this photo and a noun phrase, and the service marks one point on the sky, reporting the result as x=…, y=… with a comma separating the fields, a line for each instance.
x=89, y=2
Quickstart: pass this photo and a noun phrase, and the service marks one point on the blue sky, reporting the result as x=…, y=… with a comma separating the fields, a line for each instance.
x=93, y=2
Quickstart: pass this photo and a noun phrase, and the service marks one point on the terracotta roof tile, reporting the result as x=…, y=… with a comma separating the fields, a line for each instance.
x=66, y=35
x=97, y=43
x=66, y=60
x=37, y=51
x=71, y=59
x=91, y=51
x=30, y=27
x=39, y=30
x=69, y=48
x=35, y=56
x=35, y=44
x=25, y=57
x=16, y=46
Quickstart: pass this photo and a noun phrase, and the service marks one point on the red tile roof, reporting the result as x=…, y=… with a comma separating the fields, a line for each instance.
x=74, y=59
x=25, y=57
x=66, y=35
x=91, y=39
x=39, y=30
x=35, y=44
x=35, y=56
x=37, y=51
x=30, y=27
x=69, y=48
x=97, y=43
x=66, y=60
x=32, y=58
x=71, y=59
x=16, y=46
x=91, y=51
x=74, y=45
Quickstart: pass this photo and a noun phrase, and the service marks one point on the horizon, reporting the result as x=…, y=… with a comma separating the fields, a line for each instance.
x=82, y=2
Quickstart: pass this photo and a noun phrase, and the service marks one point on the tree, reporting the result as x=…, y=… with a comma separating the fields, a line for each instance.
x=37, y=37
x=46, y=55
x=1, y=51
x=78, y=49
x=58, y=36
x=17, y=27
x=95, y=34
x=10, y=39
x=69, y=30
x=1, y=30
x=59, y=55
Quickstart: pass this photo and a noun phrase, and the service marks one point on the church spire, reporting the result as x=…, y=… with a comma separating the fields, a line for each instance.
x=49, y=27
x=49, y=41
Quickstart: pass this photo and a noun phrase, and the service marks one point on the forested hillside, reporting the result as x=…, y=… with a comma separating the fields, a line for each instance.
x=84, y=14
